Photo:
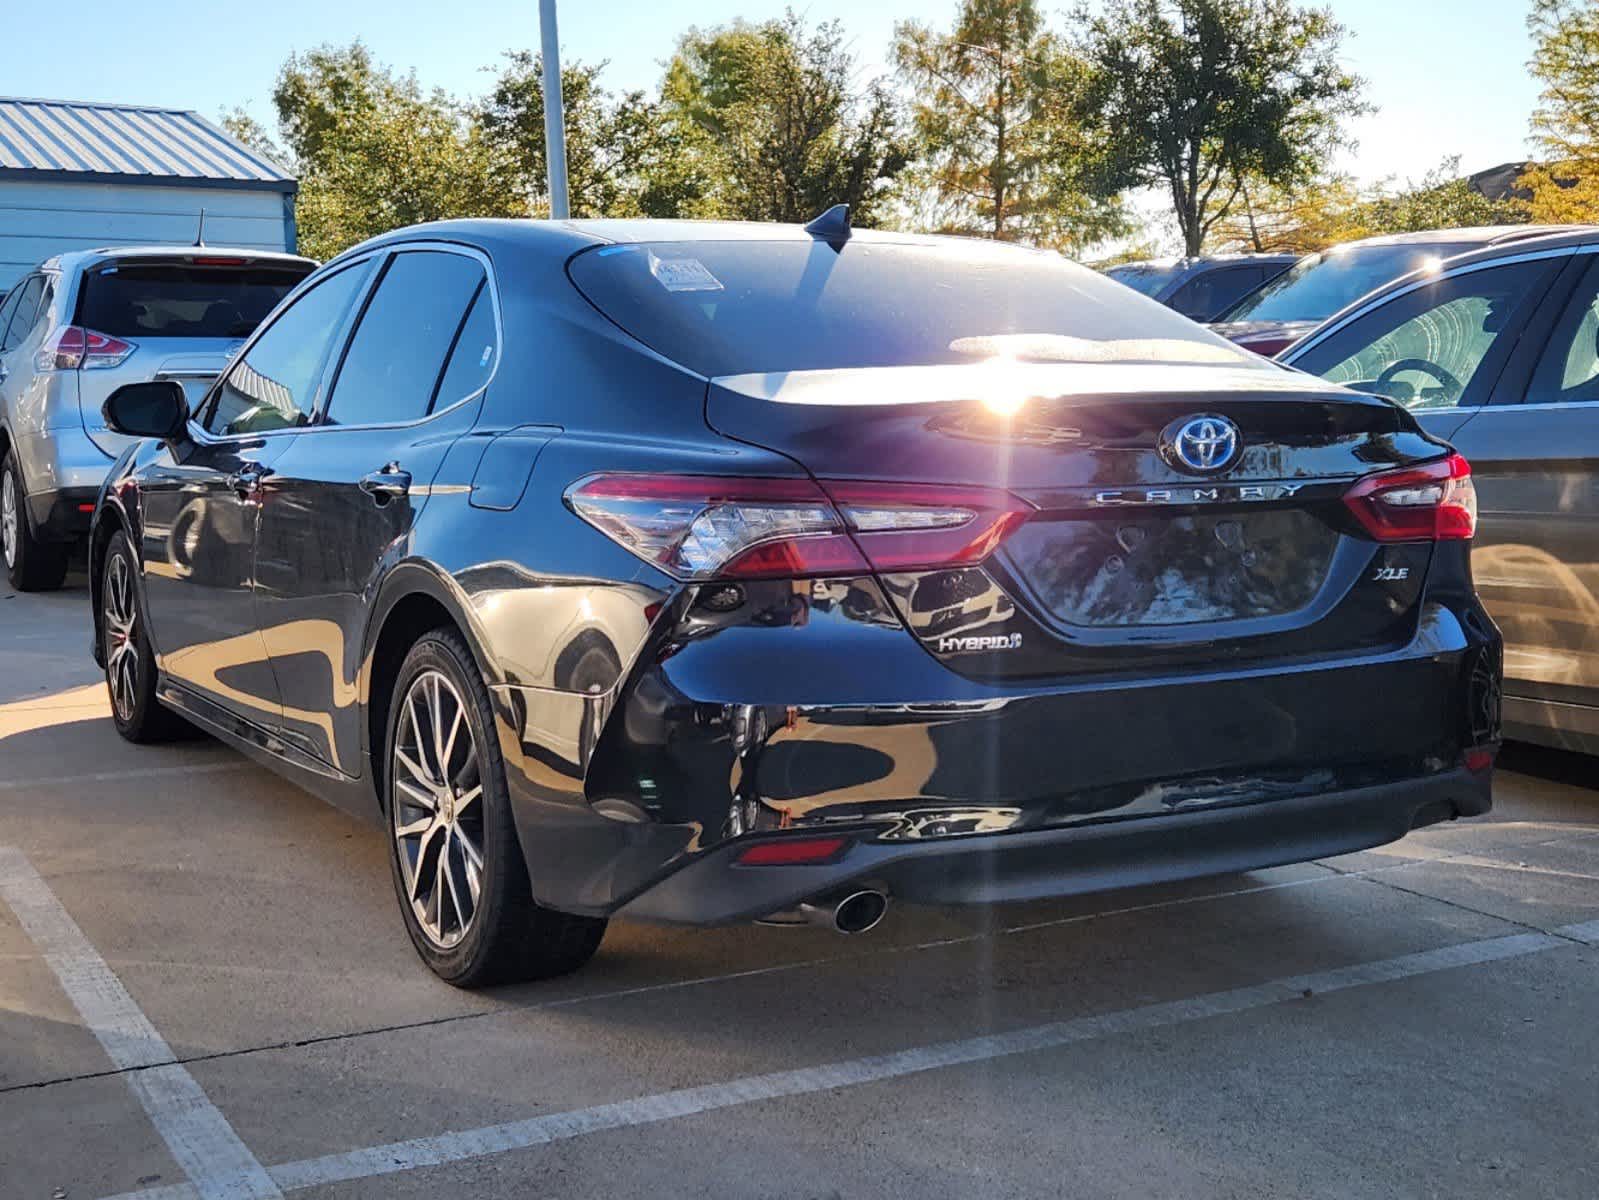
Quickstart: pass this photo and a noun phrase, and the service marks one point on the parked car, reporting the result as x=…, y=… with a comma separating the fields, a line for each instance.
x=1281, y=312
x=76, y=328
x=924, y=568
x=1202, y=288
x=1499, y=352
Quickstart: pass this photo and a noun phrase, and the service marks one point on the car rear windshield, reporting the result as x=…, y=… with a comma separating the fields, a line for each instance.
x=183, y=300
x=1319, y=285
x=742, y=307
x=1148, y=278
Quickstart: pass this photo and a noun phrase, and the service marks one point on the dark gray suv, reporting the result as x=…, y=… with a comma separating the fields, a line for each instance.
x=75, y=329
x=1498, y=351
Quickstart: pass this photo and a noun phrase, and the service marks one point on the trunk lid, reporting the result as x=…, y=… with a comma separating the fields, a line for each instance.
x=1131, y=553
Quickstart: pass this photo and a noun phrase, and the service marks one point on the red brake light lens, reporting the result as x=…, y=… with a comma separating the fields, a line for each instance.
x=72, y=347
x=1433, y=502
x=710, y=527
x=790, y=852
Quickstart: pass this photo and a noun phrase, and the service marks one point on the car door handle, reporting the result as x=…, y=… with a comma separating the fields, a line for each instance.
x=387, y=484
x=246, y=481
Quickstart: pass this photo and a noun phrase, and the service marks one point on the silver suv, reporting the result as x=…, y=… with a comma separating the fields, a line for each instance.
x=75, y=329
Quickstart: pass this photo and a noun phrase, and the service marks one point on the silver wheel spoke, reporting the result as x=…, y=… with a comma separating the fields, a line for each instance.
x=466, y=799
x=414, y=828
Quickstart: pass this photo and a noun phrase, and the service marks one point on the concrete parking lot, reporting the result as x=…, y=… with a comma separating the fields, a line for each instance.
x=206, y=990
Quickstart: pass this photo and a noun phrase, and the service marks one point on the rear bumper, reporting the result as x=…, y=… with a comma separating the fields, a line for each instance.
x=63, y=471
x=1125, y=853
x=810, y=716
x=63, y=516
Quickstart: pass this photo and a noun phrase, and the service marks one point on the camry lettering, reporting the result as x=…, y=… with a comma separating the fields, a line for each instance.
x=1198, y=495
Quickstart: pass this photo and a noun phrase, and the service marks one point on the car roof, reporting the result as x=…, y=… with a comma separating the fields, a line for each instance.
x=568, y=237
x=1572, y=238
x=1485, y=235
x=75, y=259
x=1205, y=260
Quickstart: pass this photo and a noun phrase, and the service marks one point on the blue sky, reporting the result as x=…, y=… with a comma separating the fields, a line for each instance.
x=1448, y=75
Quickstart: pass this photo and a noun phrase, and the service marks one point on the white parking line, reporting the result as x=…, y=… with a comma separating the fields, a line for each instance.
x=218, y=1164
x=462, y=1146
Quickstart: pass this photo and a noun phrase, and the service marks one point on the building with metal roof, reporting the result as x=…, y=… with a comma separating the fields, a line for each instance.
x=77, y=176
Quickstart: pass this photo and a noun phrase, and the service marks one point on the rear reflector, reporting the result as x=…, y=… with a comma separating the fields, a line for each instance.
x=1479, y=760
x=712, y=527
x=790, y=852
x=72, y=347
x=1433, y=502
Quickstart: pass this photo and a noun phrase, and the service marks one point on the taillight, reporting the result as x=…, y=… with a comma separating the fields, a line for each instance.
x=712, y=527
x=1434, y=502
x=916, y=526
x=72, y=347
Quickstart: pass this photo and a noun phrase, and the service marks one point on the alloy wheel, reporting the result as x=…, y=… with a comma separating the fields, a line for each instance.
x=9, y=517
x=437, y=809
x=121, y=616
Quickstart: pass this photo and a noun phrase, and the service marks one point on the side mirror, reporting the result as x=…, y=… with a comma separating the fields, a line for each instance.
x=157, y=408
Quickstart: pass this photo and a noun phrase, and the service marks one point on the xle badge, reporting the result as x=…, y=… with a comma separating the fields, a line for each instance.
x=1003, y=642
x=1391, y=574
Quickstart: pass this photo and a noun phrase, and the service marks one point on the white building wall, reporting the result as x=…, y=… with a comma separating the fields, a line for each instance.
x=38, y=219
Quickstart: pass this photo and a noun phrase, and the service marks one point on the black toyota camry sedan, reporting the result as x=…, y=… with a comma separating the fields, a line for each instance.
x=715, y=572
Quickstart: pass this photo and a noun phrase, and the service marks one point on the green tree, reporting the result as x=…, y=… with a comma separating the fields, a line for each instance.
x=244, y=128
x=767, y=125
x=1565, y=125
x=999, y=149
x=374, y=152
x=1330, y=208
x=619, y=160
x=1196, y=96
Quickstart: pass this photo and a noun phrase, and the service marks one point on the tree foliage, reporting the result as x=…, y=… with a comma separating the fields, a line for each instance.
x=1197, y=96
x=999, y=148
x=617, y=157
x=1565, y=125
x=374, y=151
x=1332, y=209
x=767, y=125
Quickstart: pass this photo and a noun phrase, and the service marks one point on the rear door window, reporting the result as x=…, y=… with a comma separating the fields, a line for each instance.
x=396, y=357
x=472, y=360
x=220, y=298
x=1205, y=297
x=1568, y=370
x=8, y=307
x=28, y=302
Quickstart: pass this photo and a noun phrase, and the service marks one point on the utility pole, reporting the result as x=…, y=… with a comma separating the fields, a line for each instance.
x=554, y=112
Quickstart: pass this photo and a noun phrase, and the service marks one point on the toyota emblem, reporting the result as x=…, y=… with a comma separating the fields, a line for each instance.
x=1202, y=445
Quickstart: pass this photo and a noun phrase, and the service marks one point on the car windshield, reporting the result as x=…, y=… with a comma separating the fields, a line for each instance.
x=1147, y=278
x=1319, y=285
x=738, y=307
x=143, y=300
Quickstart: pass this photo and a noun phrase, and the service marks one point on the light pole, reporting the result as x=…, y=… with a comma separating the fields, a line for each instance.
x=554, y=112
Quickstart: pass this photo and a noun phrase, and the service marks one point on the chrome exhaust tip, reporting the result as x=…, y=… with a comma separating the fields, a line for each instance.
x=859, y=912
x=847, y=912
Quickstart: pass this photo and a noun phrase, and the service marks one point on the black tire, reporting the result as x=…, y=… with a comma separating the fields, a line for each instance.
x=31, y=565
x=130, y=670
x=508, y=936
